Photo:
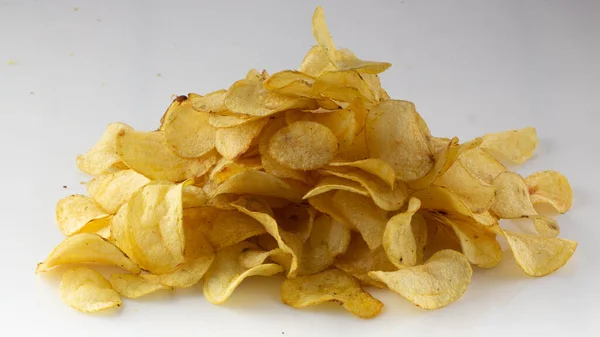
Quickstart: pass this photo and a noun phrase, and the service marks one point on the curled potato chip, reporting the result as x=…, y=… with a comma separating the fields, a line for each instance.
x=88, y=291
x=357, y=151
x=234, y=141
x=515, y=146
x=259, y=183
x=537, y=255
x=187, y=131
x=286, y=241
x=316, y=62
x=405, y=236
x=118, y=231
x=228, y=119
x=477, y=195
x=342, y=122
x=481, y=164
x=393, y=134
x=193, y=196
x=545, y=226
x=324, y=203
x=376, y=167
x=345, y=86
x=154, y=227
x=290, y=82
x=112, y=190
x=297, y=219
x=327, y=240
x=330, y=183
x=346, y=60
x=87, y=248
x=512, y=199
x=442, y=200
x=443, y=279
x=228, y=271
x=134, y=286
x=80, y=214
x=226, y=168
x=552, y=188
x=327, y=286
x=148, y=154
x=321, y=32
x=368, y=219
x=232, y=227
x=444, y=158
x=102, y=157
x=303, y=145
x=359, y=260
x=213, y=102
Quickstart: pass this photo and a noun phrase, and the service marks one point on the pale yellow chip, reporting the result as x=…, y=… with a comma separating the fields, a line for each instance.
x=481, y=164
x=477, y=195
x=135, y=286
x=359, y=260
x=345, y=86
x=514, y=146
x=290, y=82
x=80, y=214
x=231, y=227
x=316, y=62
x=394, y=135
x=226, y=168
x=552, y=188
x=154, y=226
x=405, y=236
x=228, y=119
x=324, y=203
x=342, y=122
x=330, y=183
x=193, y=196
x=187, y=131
x=446, y=202
x=112, y=190
x=443, y=279
x=355, y=152
x=537, y=255
x=545, y=226
x=87, y=248
x=230, y=269
x=327, y=240
x=512, y=199
x=148, y=154
x=346, y=60
x=88, y=291
x=331, y=285
x=213, y=102
x=376, y=167
x=303, y=145
x=232, y=142
x=259, y=183
x=102, y=158
x=444, y=157
x=297, y=219
x=321, y=32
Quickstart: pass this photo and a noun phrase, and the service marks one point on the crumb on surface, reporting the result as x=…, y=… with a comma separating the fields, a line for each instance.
x=82, y=182
x=64, y=186
x=76, y=9
x=71, y=54
x=158, y=74
x=11, y=62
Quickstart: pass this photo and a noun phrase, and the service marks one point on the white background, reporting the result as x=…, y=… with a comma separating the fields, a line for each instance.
x=471, y=67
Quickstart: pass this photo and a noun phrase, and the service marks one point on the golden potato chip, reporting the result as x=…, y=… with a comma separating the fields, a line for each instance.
x=342, y=122
x=393, y=134
x=293, y=83
x=330, y=183
x=316, y=62
x=368, y=219
x=443, y=279
x=515, y=146
x=119, y=235
x=228, y=119
x=481, y=164
x=228, y=271
x=477, y=195
x=385, y=197
x=552, y=188
x=234, y=141
x=297, y=219
x=259, y=183
x=355, y=152
x=232, y=227
x=213, y=102
x=321, y=33
x=537, y=255
x=442, y=200
x=327, y=240
x=512, y=199
x=87, y=248
x=324, y=203
x=226, y=168
x=345, y=86
x=154, y=225
x=88, y=291
x=376, y=167
x=444, y=157
x=148, y=154
x=331, y=285
x=112, y=190
x=193, y=196
x=102, y=158
x=545, y=226
x=134, y=286
x=187, y=131
x=405, y=236
x=346, y=60
x=359, y=260
x=80, y=214
x=303, y=145
x=288, y=242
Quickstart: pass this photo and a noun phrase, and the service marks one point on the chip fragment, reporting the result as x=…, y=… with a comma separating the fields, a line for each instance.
x=88, y=291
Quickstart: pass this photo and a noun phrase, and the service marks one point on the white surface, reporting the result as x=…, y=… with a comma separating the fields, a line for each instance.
x=471, y=67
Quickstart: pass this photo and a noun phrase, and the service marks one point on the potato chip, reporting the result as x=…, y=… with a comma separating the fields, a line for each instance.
x=442, y=200
x=234, y=141
x=228, y=271
x=537, y=255
x=443, y=279
x=187, y=131
x=481, y=164
x=552, y=188
x=331, y=285
x=336, y=183
x=444, y=158
x=193, y=196
x=80, y=214
x=112, y=190
x=313, y=145
x=228, y=119
x=376, y=167
x=393, y=134
x=261, y=184
x=321, y=32
x=226, y=168
x=148, y=154
x=135, y=286
x=297, y=219
x=316, y=62
x=359, y=260
x=346, y=60
x=344, y=86
x=288, y=242
x=232, y=227
x=324, y=203
x=545, y=226
x=405, y=236
x=293, y=83
x=355, y=152
x=88, y=291
x=154, y=225
x=343, y=123
x=327, y=240
x=119, y=235
x=514, y=146
x=477, y=195
x=102, y=157
x=87, y=248
x=512, y=199
x=213, y=102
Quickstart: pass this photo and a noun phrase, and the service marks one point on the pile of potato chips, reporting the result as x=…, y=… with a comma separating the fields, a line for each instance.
x=314, y=173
